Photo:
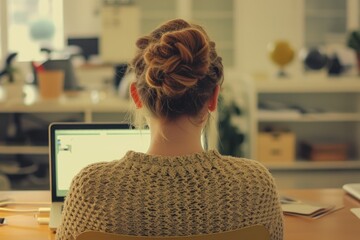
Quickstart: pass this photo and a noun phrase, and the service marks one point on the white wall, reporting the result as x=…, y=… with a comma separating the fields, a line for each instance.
x=261, y=22
x=81, y=18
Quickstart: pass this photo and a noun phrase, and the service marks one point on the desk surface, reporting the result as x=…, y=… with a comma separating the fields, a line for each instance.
x=341, y=224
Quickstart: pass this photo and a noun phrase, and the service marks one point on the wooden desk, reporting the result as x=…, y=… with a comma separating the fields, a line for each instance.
x=25, y=225
x=341, y=224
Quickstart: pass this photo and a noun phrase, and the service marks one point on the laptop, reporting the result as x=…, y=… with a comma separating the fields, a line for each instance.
x=73, y=146
x=353, y=189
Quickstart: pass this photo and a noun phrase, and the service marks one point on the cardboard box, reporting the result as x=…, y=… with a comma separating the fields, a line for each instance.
x=325, y=152
x=276, y=147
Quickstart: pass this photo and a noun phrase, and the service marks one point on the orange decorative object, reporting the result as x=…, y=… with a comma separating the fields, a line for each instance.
x=281, y=53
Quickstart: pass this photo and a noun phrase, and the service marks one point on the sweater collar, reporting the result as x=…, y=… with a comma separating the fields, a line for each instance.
x=204, y=157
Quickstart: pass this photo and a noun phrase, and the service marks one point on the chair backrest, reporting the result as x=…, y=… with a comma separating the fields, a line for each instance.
x=256, y=232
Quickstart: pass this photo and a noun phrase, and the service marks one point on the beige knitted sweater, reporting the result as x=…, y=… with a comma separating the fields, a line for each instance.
x=156, y=195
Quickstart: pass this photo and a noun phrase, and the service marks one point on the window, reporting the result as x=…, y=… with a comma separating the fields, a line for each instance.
x=31, y=25
x=325, y=22
x=2, y=29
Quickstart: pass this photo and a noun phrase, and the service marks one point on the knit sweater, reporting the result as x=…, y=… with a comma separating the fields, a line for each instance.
x=166, y=196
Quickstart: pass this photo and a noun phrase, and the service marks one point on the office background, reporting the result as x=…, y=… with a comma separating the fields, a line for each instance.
x=304, y=126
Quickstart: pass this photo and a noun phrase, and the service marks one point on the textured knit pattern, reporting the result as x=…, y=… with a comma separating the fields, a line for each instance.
x=155, y=195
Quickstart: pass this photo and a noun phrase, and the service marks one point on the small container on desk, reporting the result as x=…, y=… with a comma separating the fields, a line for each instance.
x=276, y=146
x=324, y=151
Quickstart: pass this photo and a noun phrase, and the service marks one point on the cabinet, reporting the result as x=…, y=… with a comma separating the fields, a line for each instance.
x=330, y=114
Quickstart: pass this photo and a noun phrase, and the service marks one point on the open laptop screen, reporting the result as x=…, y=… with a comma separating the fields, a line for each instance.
x=75, y=146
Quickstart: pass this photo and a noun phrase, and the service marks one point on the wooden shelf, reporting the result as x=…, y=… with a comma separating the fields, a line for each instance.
x=313, y=165
x=318, y=117
x=310, y=85
x=325, y=13
x=337, y=96
x=10, y=149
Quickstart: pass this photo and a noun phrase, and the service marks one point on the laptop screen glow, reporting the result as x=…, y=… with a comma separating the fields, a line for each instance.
x=77, y=148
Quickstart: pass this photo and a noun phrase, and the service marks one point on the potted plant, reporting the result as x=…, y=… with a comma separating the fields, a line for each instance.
x=230, y=134
x=353, y=42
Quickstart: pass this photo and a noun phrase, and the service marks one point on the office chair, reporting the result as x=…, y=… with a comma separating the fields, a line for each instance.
x=256, y=232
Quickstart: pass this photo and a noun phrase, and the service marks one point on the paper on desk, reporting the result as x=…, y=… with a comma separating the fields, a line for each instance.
x=356, y=211
x=4, y=199
x=308, y=210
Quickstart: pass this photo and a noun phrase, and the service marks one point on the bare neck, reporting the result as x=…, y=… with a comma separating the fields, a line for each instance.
x=175, y=138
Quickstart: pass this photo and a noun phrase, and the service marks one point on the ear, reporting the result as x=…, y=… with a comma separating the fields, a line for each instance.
x=135, y=95
x=214, y=99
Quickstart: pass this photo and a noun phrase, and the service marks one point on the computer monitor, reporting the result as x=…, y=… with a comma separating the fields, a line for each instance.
x=89, y=46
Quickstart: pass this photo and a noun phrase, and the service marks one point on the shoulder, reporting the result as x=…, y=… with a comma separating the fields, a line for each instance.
x=254, y=180
x=91, y=171
x=86, y=176
x=248, y=170
x=96, y=174
x=244, y=163
x=104, y=168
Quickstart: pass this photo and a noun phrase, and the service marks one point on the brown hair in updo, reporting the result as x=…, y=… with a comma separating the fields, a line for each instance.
x=177, y=69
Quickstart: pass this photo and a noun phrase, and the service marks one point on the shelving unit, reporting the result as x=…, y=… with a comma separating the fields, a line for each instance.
x=316, y=117
x=19, y=149
x=306, y=165
x=335, y=103
x=108, y=108
x=311, y=84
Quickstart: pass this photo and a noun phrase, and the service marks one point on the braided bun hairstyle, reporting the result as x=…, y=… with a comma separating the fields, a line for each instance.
x=177, y=69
